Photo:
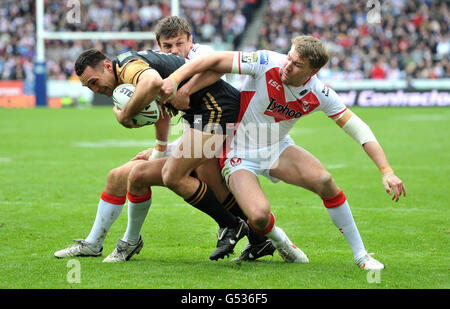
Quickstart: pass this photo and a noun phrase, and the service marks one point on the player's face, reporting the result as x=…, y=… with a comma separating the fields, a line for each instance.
x=296, y=70
x=100, y=79
x=179, y=45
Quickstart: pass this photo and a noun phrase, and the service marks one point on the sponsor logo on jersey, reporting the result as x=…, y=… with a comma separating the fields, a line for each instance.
x=279, y=108
x=264, y=57
x=249, y=57
x=283, y=111
x=303, y=92
x=122, y=56
x=275, y=84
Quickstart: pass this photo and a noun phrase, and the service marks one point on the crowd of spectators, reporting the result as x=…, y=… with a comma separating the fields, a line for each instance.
x=411, y=40
x=387, y=40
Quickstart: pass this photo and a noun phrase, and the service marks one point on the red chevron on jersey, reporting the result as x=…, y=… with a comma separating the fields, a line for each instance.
x=278, y=108
x=246, y=97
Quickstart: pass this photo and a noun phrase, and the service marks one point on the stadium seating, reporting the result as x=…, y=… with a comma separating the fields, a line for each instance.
x=412, y=39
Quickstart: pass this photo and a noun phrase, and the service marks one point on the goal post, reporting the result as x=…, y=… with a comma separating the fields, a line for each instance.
x=40, y=69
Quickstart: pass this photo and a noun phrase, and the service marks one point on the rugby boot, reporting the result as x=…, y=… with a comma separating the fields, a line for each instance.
x=124, y=251
x=81, y=248
x=228, y=238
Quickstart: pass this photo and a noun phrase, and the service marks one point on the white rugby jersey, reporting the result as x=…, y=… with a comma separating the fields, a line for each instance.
x=198, y=50
x=266, y=101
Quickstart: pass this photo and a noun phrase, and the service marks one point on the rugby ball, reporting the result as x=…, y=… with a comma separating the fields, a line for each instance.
x=122, y=95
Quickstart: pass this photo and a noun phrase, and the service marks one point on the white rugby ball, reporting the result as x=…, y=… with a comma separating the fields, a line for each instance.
x=122, y=95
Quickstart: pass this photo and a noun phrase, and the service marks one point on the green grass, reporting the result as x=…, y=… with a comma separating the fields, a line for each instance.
x=51, y=181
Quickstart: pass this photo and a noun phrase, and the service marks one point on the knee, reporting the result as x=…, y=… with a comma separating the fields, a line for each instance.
x=168, y=178
x=136, y=178
x=259, y=217
x=324, y=182
x=325, y=179
x=117, y=176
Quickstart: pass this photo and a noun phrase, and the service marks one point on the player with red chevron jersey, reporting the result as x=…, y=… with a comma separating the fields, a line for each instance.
x=278, y=91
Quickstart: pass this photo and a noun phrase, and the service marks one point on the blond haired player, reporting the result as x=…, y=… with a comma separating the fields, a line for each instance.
x=280, y=90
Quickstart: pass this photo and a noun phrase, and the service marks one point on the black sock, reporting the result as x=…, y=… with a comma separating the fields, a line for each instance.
x=205, y=201
x=232, y=206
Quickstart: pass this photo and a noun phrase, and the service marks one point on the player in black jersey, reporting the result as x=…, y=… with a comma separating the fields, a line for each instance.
x=216, y=106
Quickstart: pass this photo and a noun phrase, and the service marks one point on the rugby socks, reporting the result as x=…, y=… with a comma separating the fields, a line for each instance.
x=205, y=201
x=342, y=217
x=275, y=234
x=232, y=206
x=109, y=209
x=138, y=207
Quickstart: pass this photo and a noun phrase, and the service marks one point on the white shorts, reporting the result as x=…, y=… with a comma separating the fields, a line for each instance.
x=259, y=161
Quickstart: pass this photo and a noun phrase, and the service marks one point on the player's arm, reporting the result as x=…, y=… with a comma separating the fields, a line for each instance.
x=147, y=89
x=220, y=62
x=162, y=129
x=362, y=133
x=196, y=83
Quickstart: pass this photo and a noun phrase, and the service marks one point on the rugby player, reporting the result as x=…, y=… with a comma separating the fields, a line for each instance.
x=174, y=36
x=280, y=90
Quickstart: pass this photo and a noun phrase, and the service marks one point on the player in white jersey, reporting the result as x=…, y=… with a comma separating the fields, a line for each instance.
x=173, y=36
x=280, y=90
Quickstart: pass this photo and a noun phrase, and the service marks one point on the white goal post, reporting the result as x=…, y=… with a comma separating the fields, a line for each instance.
x=40, y=88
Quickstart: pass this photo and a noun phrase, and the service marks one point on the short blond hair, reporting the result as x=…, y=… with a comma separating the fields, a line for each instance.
x=312, y=49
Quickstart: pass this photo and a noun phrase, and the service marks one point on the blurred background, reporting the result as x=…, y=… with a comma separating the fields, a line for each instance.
x=383, y=53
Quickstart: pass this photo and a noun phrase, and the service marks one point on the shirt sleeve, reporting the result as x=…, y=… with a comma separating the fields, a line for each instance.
x=200, y=50
x=129, y=73
x=251, y=63
x=330, y=102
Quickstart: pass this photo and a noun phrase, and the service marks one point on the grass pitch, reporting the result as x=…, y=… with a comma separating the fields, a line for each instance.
x=53, y=166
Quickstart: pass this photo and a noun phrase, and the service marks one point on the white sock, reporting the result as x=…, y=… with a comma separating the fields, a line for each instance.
x=277, y=236
x=107, y=213
x=137, y=212
x=343, y=219
x=274, y=233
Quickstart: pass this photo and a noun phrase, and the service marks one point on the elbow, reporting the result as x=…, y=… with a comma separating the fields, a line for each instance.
x=152, y=82
x=156, y=83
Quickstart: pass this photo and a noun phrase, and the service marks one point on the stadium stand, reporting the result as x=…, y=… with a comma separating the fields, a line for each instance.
x=412, y=39
x=213, y=22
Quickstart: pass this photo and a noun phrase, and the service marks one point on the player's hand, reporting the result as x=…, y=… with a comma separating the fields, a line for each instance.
x=394, y=185
x=170, y=110
x=167, y=90
x=127, y=123
x=143, y=155
x=181, y=101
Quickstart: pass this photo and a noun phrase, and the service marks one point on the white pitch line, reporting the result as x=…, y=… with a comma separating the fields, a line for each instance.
x=423, y=117
x=114, y=144
x=334, y=166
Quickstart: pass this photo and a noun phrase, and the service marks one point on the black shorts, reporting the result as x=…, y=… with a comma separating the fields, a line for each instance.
x=213, y=107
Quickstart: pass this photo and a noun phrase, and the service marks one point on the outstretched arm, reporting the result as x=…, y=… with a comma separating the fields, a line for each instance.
x=361, y=132
x=197, y=82
x=220, y=62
